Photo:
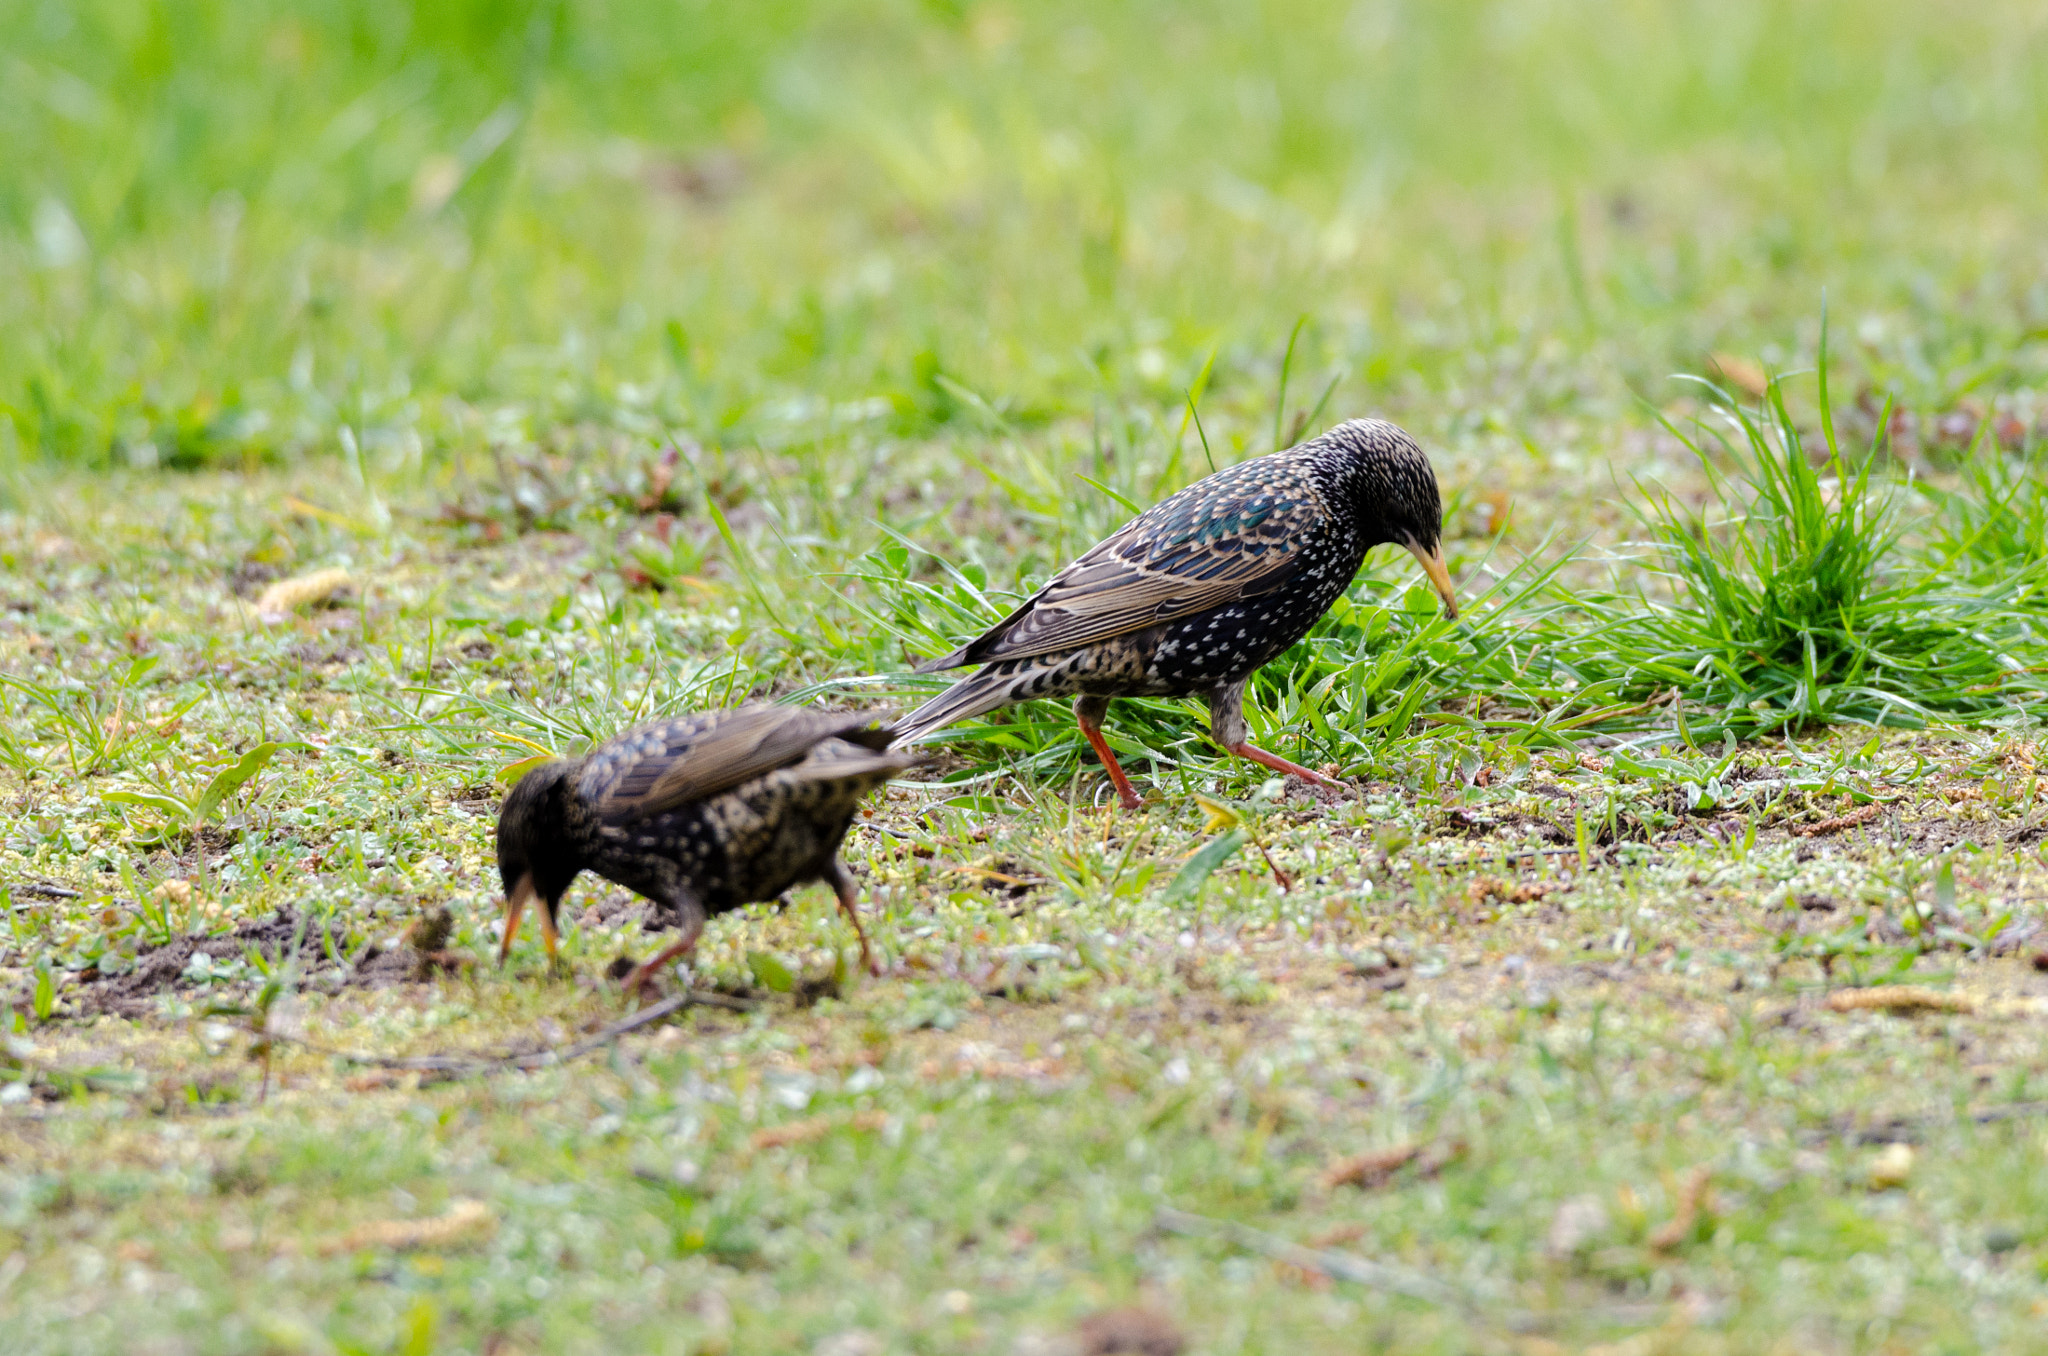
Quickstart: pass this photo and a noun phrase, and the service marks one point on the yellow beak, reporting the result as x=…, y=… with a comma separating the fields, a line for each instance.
x=1439, y=577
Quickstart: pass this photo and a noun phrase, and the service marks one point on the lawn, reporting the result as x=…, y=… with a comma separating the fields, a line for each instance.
x=390, y=394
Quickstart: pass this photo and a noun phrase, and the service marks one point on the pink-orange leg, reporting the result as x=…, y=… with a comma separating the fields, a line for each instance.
x=842, y=885
x=1088, y=712
x=653, y=965
x=1279, y=764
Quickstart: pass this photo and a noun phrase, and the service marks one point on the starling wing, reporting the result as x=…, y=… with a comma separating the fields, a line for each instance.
x=660, y=767
x=1237, y=534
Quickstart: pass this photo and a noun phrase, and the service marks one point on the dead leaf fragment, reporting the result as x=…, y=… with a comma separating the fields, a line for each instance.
x=1741, y=373
x=1496, y=509
x=803, y=1132
x=1863, y=814
x=464, y=1221
x=1692, y=1196
x=1899, y=998
x=1483, y=888
x=375, y=1080
x=279, y=599
x=1371, y=1169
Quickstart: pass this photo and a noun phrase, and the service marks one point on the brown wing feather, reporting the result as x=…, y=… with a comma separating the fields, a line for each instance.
x=1209, y=545
x=657, y=768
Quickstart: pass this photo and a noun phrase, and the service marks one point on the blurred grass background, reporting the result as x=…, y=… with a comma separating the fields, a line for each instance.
x=231, y=230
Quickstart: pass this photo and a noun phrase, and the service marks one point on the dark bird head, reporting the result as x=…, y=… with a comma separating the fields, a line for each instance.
x=1393, y=491
x=536, y=858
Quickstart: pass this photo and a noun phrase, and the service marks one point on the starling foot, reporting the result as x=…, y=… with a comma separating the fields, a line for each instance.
x=654, y=964
x=1279, y=764
x=1088, y=713
x=842, y=885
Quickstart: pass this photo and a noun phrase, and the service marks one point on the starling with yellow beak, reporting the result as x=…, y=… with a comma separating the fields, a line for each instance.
x=1196, y=593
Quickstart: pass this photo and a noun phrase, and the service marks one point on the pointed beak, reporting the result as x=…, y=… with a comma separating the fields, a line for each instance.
x=515, y=905
x=1439, y=577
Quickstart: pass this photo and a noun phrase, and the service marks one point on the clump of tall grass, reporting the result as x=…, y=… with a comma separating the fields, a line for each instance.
x=1795, y=605
x=1995, y=527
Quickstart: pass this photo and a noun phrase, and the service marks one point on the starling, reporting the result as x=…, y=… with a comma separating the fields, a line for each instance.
x=700, y=814
x=1197, y=592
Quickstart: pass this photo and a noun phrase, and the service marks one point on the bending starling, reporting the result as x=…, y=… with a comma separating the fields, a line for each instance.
x=1197, y=592
x=700, y=814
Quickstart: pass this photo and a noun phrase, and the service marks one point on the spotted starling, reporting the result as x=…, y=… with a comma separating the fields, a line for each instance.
x=1197, y=592
x=700, y=814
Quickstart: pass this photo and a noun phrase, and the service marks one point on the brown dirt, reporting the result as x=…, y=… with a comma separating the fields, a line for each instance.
x=162, y=968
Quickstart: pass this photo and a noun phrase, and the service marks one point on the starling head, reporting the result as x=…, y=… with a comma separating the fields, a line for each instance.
x=1395, y=494
x=535, y=857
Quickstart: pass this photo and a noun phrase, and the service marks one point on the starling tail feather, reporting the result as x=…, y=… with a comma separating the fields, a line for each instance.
x=1196, y=593
x=991, y=689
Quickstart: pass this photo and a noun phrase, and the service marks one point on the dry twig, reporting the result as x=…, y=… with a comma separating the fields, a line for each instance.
x=1862, y=814
x=1899, y=998
x=465, y=1066
x=463, y=1221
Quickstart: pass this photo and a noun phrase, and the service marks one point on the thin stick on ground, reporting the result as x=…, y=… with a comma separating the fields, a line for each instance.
x=1399, y=1280
x=43, y=891
x=466, y=1066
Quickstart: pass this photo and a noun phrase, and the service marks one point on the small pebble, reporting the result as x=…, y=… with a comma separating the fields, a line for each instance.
x=1892, y=1166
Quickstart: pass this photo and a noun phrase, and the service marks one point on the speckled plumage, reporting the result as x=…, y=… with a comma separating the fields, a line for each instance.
x=699, y=814
x=1196, y=593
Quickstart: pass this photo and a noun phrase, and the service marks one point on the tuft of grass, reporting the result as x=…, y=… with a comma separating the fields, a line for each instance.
x=1995, y=526
x=1797, y=606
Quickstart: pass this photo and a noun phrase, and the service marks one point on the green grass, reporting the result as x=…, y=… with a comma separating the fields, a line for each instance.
x=237, y=228
x=1802, y=606
x=632, y=358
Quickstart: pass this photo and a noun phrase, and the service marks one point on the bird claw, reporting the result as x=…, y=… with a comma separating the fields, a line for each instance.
x=1282, y=766
x=646, y=970
x=634, y=983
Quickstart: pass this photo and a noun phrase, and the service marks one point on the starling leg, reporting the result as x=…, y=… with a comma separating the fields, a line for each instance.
x=1279, y=764
x=842, y=885
x=549, y=937
x=1227, y=727
x=690, y=915
x=1088, y=714
x=515, y=908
